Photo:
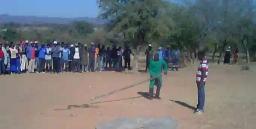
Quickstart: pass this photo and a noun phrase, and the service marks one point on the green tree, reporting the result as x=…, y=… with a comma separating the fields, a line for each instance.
x=137, y=21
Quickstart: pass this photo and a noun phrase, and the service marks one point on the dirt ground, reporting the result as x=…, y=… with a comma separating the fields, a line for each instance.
x=38, y=101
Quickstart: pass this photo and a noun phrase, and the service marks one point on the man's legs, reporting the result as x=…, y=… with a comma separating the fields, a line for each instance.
x=1, y=66
x=201, y=96
x=33, y=65
x=58, y=67
x=129, y=63
x=158, y=83
x=151, y=87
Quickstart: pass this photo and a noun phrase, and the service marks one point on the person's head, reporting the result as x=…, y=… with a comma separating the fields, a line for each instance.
x=85, y=45
x=156, y=57
x=55, y=43
x=42, y=46
x=201, y=55
x=103, y=47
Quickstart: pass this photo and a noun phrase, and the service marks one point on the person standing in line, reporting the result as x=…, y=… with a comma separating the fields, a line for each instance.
x=108, y=59
x=102, y=55
x=97, y=58
x=114, y=57
x=65, y=58
x=41, y=56
x=201, y=76
x=77, y=59
x=156, y=68
x=127, y=57
x=32, y=58
x=62, y=45
x=2, y=69
x=13, y=61
x=19, y=56
x=92, y=57
x=24, y=61
x=5, y=57
x=119, y=59
x=56, y=51
x=149, y=55
x=71, y=58
x=48, y=58
x=84, y=58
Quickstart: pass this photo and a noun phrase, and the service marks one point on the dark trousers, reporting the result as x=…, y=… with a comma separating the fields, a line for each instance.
x=2, y=67
x=127, y=63
x=41, y=65
x=108, y=63
x=147, y=64
x=48, y=65
x=91, y=64
x=201, y=95
x=157, y=83
x=56, y=64
x=77, y=65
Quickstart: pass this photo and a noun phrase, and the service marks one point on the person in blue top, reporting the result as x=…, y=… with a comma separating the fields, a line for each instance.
x=41, y=56
x=65, y=58
x=160, y=53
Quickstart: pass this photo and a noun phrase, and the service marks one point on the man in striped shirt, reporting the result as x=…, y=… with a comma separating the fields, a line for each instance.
x=201, y=77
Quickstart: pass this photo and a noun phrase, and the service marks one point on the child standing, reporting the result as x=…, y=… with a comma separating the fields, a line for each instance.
x=201, y=77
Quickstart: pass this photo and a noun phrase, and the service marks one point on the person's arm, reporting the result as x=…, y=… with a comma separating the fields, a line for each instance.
x=204, y=71
x=165, y=67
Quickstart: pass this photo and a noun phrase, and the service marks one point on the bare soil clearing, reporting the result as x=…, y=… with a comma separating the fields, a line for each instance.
x=29, y=101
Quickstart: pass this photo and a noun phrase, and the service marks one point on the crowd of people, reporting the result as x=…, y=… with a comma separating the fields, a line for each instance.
x=62, y=57
x=56, y=57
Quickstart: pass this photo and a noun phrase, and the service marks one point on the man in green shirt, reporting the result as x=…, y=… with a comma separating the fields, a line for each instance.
x=156, y=67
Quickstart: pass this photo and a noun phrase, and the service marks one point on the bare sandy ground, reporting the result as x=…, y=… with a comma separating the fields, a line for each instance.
x=33, y=101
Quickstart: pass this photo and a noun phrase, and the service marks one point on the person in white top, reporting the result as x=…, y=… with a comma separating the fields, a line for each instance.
x=48, y=58
x=13, y=61
x=77, y=59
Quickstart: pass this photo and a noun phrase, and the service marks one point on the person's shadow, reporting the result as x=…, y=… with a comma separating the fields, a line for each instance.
x=144, y=94
x=183, y=104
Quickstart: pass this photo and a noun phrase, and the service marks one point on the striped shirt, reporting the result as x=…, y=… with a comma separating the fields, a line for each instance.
x=202, y=71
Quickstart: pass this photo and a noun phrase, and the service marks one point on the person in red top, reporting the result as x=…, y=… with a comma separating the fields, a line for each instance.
x=1, y=60
x=201, y=77
x=31, y=66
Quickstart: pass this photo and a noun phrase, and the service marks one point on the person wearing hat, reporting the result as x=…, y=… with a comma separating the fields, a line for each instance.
x=77, y=59
x=48, y=58
x=149, y=55
x=56, y=52
x=156, y=68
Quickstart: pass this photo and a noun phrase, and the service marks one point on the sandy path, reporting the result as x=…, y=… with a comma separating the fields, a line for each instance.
x=29, y=101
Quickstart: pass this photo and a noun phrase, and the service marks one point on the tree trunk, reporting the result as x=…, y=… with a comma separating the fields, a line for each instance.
x=222, y=50
x=214, y=52
x=247, y=56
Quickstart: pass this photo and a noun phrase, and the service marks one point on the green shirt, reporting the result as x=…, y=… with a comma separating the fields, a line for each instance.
x=156, y=68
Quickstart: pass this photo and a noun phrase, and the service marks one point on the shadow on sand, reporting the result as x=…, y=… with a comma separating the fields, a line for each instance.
x=183, y=104
x=93, y=104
